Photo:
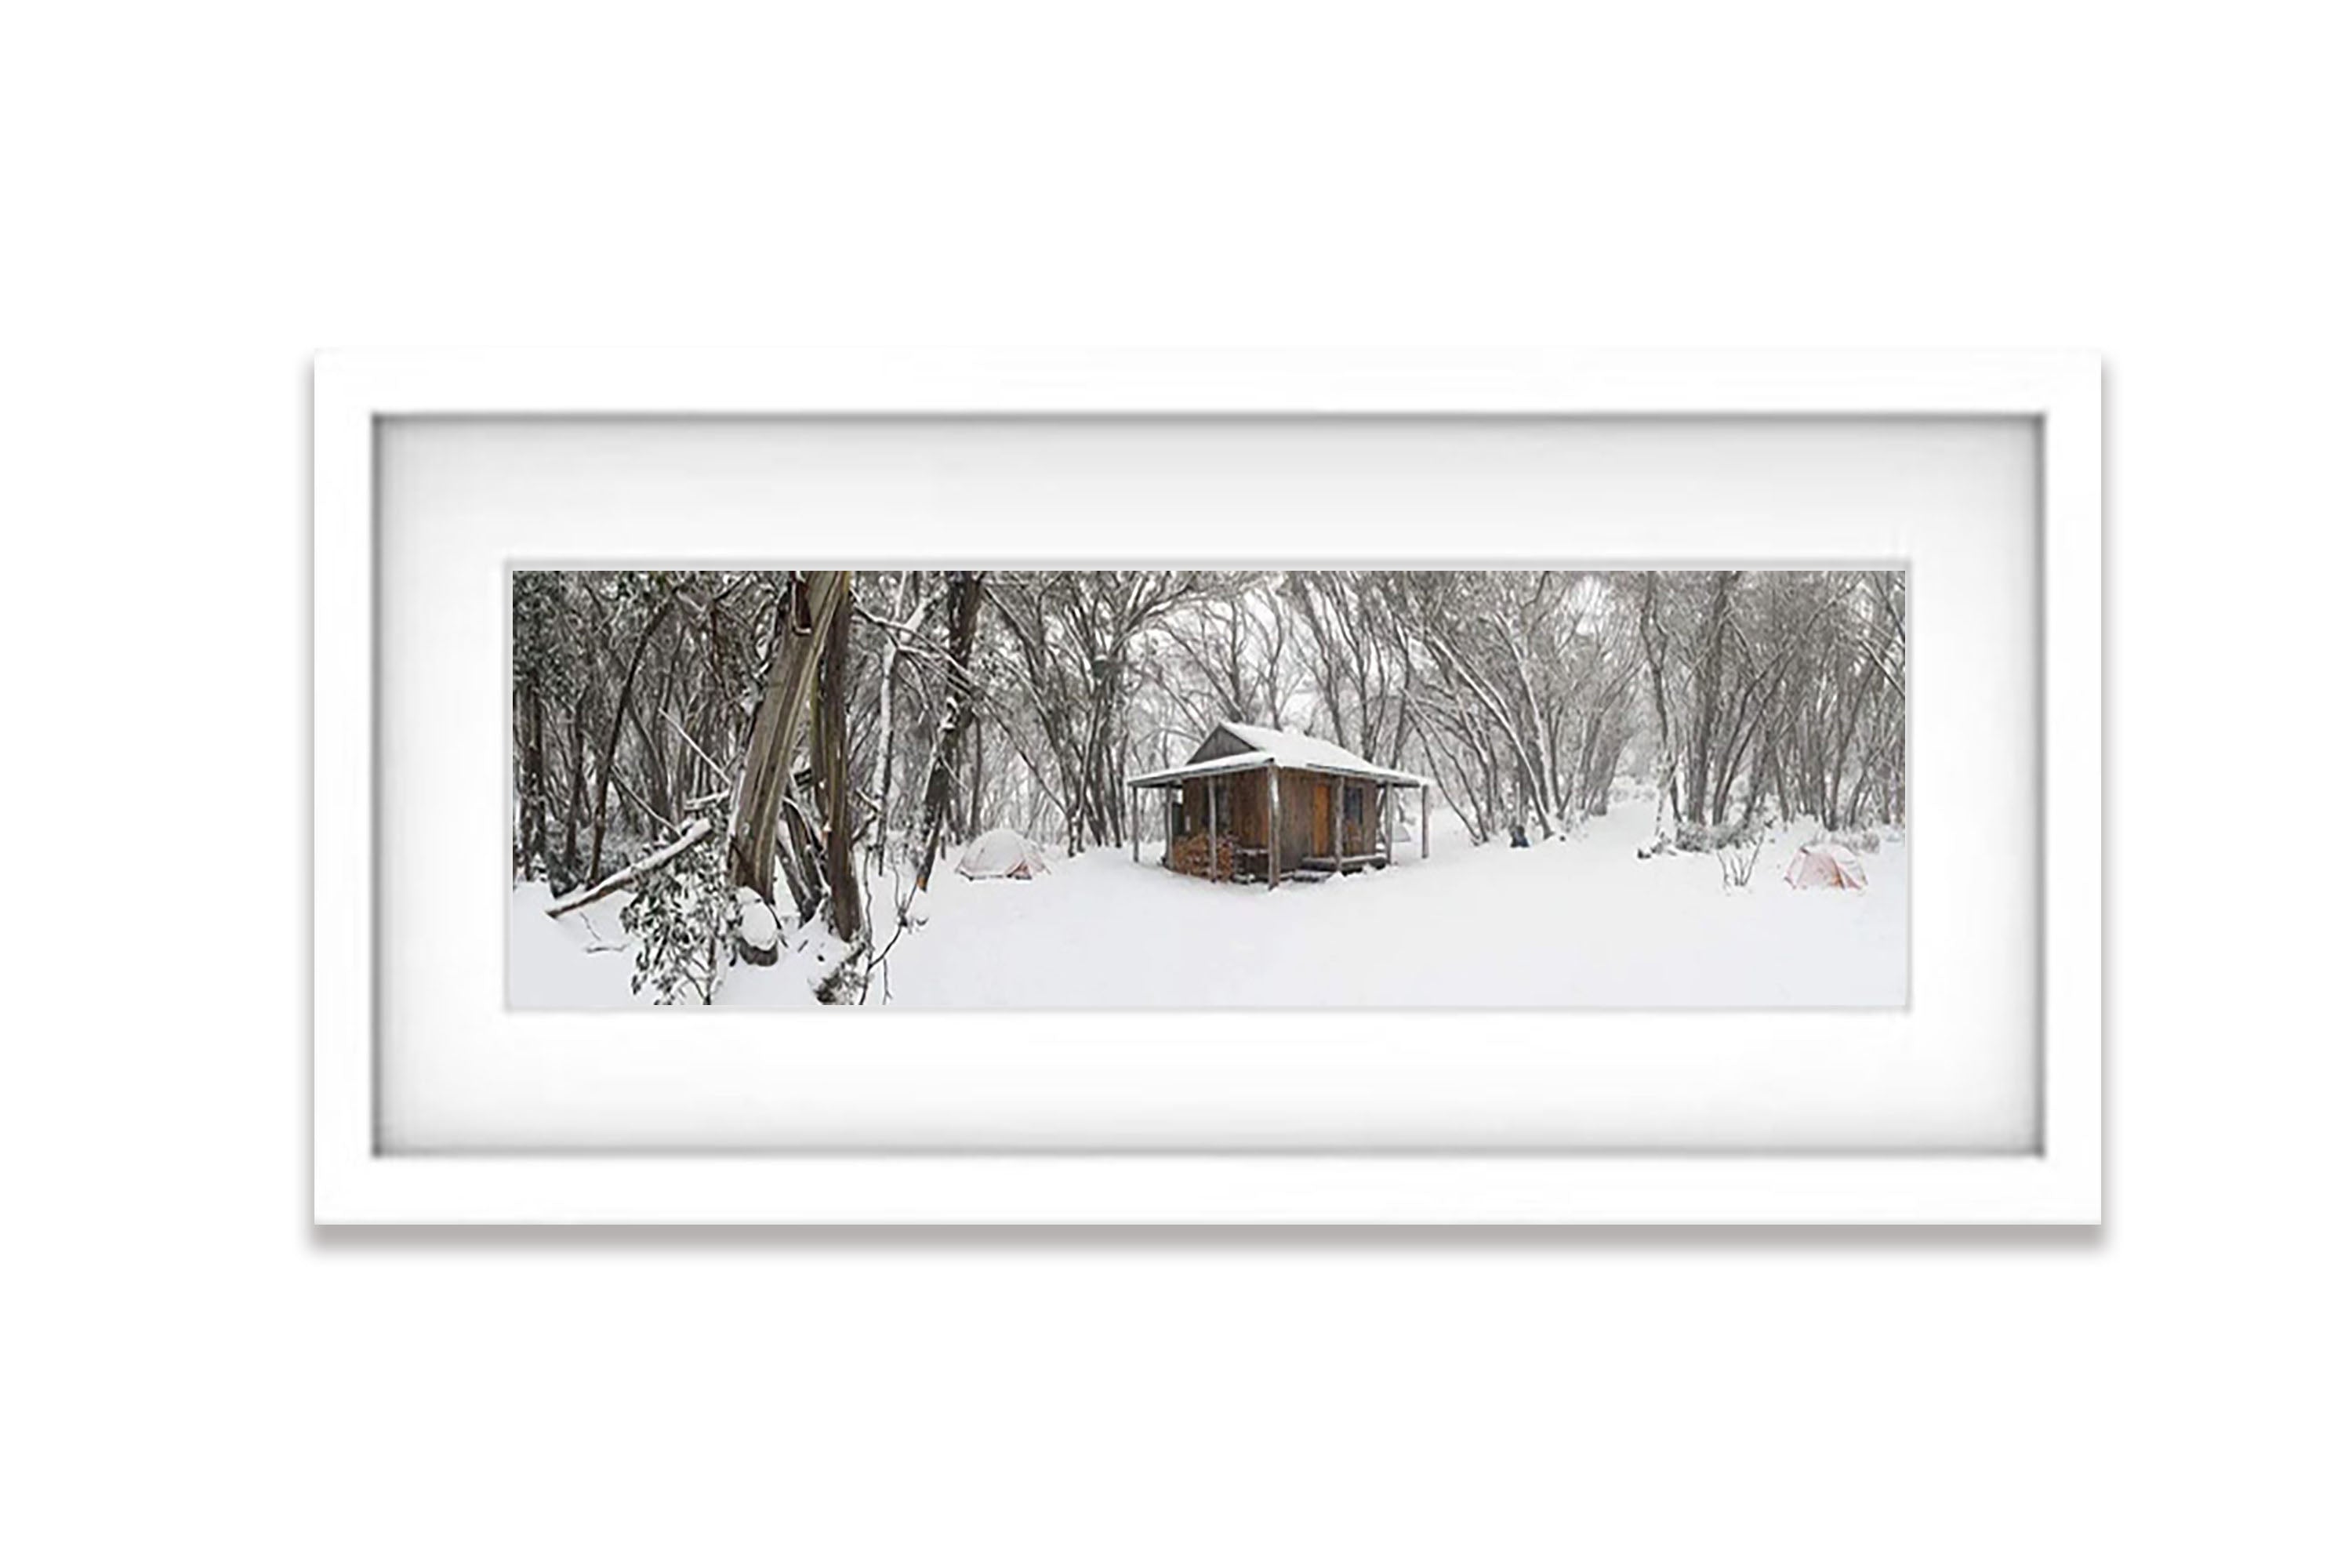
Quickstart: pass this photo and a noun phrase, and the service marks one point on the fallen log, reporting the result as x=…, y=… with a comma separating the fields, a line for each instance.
x=697, y=831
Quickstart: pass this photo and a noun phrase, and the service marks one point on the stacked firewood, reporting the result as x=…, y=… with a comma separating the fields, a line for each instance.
x=1196, y=856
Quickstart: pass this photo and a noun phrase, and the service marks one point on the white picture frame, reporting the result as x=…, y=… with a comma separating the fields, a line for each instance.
x=359, y=1180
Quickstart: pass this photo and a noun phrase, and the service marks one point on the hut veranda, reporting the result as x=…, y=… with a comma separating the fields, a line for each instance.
x=1254, y=803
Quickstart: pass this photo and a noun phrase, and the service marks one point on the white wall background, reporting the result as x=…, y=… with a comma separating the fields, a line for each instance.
x=197, y=196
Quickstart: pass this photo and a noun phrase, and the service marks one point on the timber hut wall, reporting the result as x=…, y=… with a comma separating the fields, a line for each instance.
x=1241, y=819
x=1309, y=800
x=1363, y=836
x=1248, y=797
x=1298, y=815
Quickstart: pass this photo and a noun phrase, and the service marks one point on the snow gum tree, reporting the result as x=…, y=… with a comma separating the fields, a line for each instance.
x=1778, y=687
x=1076, y=637
x=802, y=625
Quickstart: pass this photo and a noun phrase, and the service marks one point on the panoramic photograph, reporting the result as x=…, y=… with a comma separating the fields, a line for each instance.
x=1208, y=789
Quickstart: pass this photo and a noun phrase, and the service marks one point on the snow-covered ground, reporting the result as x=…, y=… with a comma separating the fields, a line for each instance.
x=1577, y=923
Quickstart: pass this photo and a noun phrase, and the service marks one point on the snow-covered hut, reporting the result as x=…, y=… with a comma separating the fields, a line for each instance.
x=1255, y=804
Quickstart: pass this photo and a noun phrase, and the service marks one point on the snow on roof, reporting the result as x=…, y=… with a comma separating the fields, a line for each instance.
x=1282, y=748
x=1291, y=750
x=1238, y=763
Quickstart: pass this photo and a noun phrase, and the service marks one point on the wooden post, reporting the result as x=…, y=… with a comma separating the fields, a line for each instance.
x=1424, y=822
x=1135, y=825
x=1338, y=825
x=1388, y=825
x=1274, y=824
x=1209, y=788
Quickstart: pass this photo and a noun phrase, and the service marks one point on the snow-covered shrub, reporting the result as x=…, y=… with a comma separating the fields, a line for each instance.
x=1739, y=864
x=836, y=969
x=756, y=935
x=1862, y=840
x=679, y=912
x=1695, y=837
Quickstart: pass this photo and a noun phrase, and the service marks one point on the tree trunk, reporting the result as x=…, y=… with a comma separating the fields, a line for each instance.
x=613, y=736
x=577, y=793
x=972, y=801
x=657, y=801
x=802, y=859
x=963, y=621
x=534, y=777
x=1703, y=702
x=660, y=772
x=886, y=722
x=803, y=620
x=1653, y=652
x=845, y=912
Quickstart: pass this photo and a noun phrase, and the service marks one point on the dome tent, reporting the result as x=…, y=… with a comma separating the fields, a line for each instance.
x=1826, y=866
x=1001, y=852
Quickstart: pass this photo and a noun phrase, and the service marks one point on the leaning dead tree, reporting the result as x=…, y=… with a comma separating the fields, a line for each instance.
x=696, y=832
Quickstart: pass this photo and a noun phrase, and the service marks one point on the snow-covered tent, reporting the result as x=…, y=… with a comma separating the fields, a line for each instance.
x=1252, y=803
x=1001, y=852
x=1826, y=866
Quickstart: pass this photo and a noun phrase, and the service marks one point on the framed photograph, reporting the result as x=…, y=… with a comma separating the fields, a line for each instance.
x=1218, y=789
